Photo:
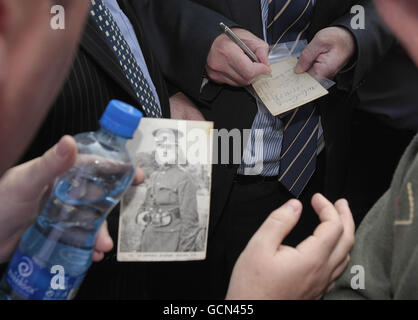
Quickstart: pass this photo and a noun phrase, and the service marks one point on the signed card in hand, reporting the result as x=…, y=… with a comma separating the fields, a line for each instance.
x=167, y=217
x=285, y=90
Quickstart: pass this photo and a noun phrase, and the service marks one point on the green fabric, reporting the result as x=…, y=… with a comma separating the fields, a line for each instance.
x=387, y=241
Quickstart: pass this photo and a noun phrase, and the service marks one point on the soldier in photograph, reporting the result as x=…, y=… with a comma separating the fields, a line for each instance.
x=169, y=217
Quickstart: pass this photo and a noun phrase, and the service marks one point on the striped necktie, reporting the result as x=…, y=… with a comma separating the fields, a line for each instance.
x=121, y=49
x=287, y=21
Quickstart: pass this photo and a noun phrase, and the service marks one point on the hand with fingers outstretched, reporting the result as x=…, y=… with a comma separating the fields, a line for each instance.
x=268, y=270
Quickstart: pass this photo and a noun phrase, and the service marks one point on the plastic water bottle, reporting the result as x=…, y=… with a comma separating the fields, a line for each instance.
x=55, y=253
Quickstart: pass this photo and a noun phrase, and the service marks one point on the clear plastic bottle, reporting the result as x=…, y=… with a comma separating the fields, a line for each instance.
x=55, y=253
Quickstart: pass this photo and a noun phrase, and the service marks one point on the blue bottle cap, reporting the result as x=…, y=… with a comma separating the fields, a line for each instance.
x=121, y=119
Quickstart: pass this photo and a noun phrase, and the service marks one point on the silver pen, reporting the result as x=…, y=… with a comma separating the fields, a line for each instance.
x=239, y=42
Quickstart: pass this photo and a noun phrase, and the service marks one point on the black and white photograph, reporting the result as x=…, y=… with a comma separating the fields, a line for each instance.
x=166, y=218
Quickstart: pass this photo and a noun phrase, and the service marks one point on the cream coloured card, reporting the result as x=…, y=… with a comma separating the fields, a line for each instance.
x=167, y=217
x=285, y=90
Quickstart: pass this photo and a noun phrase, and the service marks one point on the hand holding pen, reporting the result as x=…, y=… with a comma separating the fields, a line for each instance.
x=231, y=35
x=237, y=57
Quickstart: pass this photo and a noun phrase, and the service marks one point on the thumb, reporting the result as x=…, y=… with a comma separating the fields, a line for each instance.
x=307, y=58
x=260, y=69
x=42, y=171
x=262, y=53
x=278, y=225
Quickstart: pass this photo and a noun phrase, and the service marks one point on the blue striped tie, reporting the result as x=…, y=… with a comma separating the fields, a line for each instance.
x=287, y=21
x=137, y=80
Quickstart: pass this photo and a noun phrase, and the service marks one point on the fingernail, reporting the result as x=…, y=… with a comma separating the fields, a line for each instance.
x=61, y=150
x=293, y=205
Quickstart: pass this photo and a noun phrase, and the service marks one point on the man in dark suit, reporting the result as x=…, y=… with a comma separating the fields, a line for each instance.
x=211, y=69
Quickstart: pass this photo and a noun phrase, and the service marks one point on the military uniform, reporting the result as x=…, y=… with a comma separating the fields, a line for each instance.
x=170, y=213
x=384, y=260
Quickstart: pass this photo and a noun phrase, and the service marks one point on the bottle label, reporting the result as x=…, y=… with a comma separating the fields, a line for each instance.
x=31, y=281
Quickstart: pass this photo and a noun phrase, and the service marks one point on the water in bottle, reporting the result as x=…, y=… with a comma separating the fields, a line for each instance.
x=55, y=253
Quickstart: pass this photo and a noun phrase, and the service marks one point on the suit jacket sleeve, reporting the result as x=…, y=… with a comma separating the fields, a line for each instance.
x=373, y=43
x=181, y=34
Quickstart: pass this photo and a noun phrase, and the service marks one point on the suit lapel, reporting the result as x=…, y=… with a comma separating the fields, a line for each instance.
x=97, y=46
x=247, y=14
